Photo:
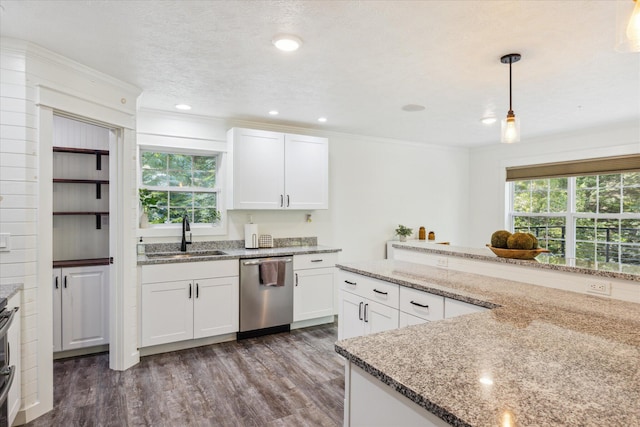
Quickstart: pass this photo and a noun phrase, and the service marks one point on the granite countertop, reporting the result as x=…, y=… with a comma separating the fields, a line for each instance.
x=545, y=356
x=234, y=249
x=485, y=254
x=7, y=291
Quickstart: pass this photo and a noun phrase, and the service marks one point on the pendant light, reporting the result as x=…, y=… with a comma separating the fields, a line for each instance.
x=511, y=124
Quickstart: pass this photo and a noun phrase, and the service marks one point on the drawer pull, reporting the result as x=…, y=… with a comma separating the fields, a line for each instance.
x=380, y=292
x=350, y=283
x=316, y=260
x=418, y=304
x=360, y=310
x=366, y=318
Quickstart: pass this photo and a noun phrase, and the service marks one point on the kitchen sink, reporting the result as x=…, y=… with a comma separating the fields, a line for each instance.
x=180, y=255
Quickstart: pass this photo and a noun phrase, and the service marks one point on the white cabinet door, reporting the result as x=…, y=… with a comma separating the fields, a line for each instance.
x=306, y=172
x=216, y=306
x=85, y=307
x=379, y=317
x=408, y=320
x=453, y=308
x=258, y=169
x=167, y=312
x=56, y=285
x=350, y=321
x=14, y=359
x=313, y=294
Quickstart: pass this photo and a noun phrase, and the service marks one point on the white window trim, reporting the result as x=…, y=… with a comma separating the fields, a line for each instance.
x=175, y=229
x=570, y=217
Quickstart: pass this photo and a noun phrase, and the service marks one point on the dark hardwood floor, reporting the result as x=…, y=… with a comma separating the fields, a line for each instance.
x=288, y=379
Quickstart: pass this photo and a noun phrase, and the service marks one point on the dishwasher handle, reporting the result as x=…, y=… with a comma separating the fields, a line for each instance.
x=266, y=261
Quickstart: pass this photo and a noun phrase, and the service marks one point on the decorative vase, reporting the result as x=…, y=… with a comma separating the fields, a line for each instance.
x=403, y=238
x=144, y=220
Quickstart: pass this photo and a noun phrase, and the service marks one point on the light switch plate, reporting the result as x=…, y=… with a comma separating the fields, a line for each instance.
x=5, y=242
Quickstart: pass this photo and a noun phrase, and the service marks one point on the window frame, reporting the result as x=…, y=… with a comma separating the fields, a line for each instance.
x=197, y=229
x=571, y=217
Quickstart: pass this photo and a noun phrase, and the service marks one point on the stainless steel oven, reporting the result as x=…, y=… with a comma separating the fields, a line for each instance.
x=7, y=371
x=266, y=296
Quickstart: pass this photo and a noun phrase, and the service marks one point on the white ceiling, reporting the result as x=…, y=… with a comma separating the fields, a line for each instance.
x=361, y=61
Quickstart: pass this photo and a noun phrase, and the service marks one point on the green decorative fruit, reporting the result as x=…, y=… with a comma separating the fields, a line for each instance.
x=499, y=238
x=535, y=241
x=520, y=241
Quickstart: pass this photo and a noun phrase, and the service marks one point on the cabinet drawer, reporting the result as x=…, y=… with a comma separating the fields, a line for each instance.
x=302, y=262
x=421, y=304
x=372, y=289
x=189, y=271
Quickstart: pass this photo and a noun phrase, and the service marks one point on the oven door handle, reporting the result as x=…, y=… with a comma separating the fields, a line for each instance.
x=258, y=262
x=7, y=371
x=7, y=324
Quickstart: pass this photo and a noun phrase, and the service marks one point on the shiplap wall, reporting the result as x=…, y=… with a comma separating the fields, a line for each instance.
x=19, y=202
x=76, y=237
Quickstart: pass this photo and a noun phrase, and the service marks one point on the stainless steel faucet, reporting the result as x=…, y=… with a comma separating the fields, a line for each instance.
x=185, y=227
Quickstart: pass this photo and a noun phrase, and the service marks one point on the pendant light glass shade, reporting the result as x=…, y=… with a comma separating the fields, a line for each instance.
x=511, y=124
x=510, y=129
x=628, y=26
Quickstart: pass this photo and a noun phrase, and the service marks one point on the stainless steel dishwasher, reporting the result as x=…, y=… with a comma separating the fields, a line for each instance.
x=266, y=296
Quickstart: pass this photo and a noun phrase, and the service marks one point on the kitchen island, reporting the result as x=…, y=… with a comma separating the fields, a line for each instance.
x=542, y=356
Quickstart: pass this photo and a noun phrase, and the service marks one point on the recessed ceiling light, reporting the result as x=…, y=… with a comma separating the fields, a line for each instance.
x=488, y=120
x=486, y=380
x=183, y=107
x=322, y=119
x=273, y=113
x=286, y=42
x=413, y=107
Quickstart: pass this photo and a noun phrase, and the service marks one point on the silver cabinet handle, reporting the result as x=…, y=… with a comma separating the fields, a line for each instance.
x=360, y=310
x=366, y=318
x=419, y=305
x=287, y=200
x=296, y=279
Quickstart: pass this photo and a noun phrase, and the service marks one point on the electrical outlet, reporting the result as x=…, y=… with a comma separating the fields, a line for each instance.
x=599, y=287
x=442, y=262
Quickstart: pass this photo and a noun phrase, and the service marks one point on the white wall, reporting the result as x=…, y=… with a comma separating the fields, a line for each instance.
x=487, y=168
x=374, y=185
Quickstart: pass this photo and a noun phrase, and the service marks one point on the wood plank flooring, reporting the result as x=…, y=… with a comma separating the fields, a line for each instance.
x=288, y=379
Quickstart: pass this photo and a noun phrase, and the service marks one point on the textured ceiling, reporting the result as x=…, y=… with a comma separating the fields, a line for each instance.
x=361, y=61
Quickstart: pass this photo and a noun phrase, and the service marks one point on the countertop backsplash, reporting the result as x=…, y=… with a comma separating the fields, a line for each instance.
x=284, y=242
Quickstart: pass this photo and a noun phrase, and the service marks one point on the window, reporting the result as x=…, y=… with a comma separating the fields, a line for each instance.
x=174, y=185
x=590, y=221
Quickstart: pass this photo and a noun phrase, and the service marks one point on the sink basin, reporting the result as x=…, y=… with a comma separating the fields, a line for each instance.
x=180, y=255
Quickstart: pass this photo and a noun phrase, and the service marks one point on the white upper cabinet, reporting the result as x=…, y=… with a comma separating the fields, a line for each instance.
x=271, y=170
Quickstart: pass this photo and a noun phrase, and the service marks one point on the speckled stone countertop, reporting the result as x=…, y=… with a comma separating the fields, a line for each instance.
x=485, y=254
x=234, y=249
x=7, y=291
x=547, y=357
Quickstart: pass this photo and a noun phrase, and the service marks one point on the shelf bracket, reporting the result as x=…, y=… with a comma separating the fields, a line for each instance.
x=98, y=161
x=98, y=222
x=98, y=190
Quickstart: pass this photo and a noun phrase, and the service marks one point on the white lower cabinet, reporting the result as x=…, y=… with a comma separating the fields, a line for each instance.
x=14, y=355
x=453, y=308
x=368, y=305
x=313, y=288
x=202, y=304
x=80, y=307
